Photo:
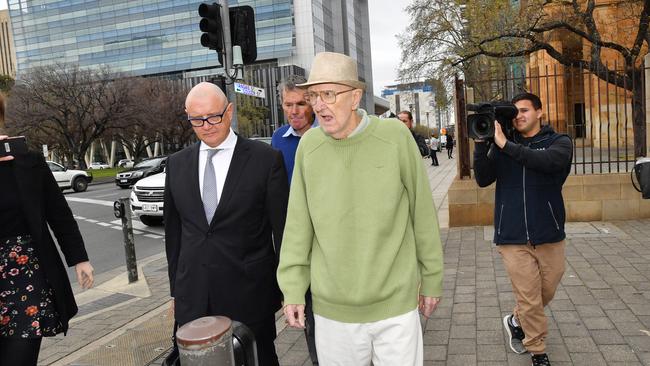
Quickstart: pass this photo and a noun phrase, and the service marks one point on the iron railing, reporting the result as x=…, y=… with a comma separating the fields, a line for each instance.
x=596, y=112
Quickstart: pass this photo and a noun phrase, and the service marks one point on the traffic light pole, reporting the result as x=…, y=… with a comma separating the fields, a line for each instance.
x=227, y=61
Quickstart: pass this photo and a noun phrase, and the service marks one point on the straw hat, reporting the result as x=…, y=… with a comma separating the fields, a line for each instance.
x=336, y=68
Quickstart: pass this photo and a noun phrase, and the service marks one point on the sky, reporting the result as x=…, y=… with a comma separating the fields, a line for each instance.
x=387, y=20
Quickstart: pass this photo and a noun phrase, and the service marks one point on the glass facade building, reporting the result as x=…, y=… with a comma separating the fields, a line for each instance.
x=135, y=37
x=162, y=37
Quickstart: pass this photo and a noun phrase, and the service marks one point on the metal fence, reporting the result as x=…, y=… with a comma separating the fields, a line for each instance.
x=596, y=112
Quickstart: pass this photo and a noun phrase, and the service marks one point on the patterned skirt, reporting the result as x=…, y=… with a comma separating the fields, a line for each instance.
x=27, y=308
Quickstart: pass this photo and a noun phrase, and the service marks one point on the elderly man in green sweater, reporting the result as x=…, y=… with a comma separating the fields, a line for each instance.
x=361, y=229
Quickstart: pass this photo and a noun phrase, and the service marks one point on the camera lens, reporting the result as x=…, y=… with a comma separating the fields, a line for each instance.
x=482, y=126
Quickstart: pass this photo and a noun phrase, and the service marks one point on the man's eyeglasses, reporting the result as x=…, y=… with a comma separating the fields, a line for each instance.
x=212, y=120
x=327, y=96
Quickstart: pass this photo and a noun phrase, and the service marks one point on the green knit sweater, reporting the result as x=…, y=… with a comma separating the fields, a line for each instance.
x=361, y=226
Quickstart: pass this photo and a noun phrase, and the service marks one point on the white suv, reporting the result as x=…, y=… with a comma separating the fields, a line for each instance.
x=147, y=199
x=69, y=178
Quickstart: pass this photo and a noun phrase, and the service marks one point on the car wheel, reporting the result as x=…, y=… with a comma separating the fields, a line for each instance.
x=79, y=184
x=124, y=187
x=151, y=220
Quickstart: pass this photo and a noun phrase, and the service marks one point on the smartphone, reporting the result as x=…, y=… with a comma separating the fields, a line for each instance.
x=13, y=146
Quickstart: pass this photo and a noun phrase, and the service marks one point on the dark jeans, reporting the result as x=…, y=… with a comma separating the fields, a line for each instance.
x=434, y=157
x=309, y=328
x=449, y=151
x=19, y=352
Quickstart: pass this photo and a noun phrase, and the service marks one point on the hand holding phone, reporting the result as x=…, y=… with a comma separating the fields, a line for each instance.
x=12, y=146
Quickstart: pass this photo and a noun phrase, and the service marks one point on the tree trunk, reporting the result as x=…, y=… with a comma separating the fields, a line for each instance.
x=80, y=156
x=638, y=118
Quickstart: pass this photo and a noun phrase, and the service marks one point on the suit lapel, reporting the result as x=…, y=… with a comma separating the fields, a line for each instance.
x=237, y=166
x=194, y=190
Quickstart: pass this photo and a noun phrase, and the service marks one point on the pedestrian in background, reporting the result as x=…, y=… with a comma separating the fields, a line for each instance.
x=300, y=118
x=36, y=299
x=434, y=144
x=450, y=146
x=407, y=118
x=361, y=229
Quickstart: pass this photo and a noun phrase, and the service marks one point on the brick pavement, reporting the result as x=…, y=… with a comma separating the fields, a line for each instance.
x=600, y=315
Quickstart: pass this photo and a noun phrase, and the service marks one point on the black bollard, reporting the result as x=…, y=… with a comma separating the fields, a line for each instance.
x=122, y=210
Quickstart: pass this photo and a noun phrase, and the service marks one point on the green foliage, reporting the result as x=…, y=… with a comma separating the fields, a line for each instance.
x=6, y=83
x=103, y=173
x=422, y=130
x=250, y=117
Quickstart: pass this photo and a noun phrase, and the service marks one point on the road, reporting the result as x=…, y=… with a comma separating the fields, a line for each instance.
x=102, y=232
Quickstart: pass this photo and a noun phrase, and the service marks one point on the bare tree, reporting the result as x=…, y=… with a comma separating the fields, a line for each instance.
x=449, y=35
x=137, y=131
x=168, y=113
x=67, y=106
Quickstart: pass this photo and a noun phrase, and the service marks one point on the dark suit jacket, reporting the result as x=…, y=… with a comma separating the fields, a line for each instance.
x=43, y=204
x=228, y=265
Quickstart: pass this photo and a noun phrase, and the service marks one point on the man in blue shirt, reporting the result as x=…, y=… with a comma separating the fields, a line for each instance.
x=300, y=117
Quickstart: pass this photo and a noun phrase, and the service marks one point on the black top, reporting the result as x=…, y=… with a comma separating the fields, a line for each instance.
x=11, y=213
x=529, y=174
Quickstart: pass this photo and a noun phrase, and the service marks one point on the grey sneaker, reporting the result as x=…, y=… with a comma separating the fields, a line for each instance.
x=540, y=360
x=515, y=335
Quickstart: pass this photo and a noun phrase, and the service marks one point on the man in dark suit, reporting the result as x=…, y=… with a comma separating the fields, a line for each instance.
x=225, y=207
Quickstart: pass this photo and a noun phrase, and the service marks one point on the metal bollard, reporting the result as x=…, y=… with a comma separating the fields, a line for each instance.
x=122, y=210
x=206, y=341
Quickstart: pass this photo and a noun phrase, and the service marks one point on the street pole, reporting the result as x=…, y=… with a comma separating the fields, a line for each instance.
x=129, y=244
x=227, y=61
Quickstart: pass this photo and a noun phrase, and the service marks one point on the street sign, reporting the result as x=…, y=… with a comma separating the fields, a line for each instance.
x=45, y=151
x=249, y=90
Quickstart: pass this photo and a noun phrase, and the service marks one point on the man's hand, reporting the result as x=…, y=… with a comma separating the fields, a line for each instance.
x=84, y=274
x=295, y=315
x=499, y=137
x=8, y=157
x=427, y=305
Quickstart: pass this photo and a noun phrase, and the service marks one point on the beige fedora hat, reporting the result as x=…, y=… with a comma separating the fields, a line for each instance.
x=336, y=68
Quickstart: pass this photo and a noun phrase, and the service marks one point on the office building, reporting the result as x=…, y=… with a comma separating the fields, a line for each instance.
x=161, y=37
x=419, y=99
x=7, y=54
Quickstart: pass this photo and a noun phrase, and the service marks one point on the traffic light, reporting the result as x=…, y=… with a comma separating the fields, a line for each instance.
x=242, y=31
x=212, y=26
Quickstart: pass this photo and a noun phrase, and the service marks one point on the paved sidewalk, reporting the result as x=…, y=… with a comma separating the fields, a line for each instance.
x=600, y=315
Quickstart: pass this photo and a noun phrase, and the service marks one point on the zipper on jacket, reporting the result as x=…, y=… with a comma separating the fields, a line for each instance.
x=557, y=226
x=500, y=219
x=525, y=214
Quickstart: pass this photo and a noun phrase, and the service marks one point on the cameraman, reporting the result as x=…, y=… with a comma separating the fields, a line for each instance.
x=529, y=169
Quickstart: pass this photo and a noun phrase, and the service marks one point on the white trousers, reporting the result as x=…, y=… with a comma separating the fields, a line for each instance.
x=388, y=342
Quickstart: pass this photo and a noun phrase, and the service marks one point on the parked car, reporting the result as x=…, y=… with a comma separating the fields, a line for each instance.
x=147, y=199
x=140, y=170
x=69, y=178
x=263, y=139
x=125, y=163
x=98, y=165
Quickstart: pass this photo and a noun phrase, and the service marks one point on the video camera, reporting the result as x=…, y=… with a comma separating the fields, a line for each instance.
x=480, y=125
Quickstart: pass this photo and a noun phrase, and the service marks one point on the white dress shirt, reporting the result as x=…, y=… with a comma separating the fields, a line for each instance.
x=220, y=161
